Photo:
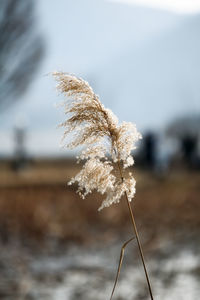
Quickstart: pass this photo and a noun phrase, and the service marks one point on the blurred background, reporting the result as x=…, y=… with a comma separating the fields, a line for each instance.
x=142, y=58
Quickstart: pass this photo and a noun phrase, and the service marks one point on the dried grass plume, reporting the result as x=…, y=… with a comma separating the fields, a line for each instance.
x=106, y=142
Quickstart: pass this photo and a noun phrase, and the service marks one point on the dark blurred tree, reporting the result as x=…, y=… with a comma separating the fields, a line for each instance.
x=189, y=147
x=149, y=148
x=21, y=49
x=148, y=151
x=186, y=130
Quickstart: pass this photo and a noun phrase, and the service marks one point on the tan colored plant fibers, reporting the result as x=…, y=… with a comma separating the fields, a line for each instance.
x=107, y=147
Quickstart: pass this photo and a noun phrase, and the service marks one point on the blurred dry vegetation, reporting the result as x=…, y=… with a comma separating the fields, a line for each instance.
x=37, y=205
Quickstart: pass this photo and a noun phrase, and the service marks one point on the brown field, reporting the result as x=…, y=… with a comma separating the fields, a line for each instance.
x=36, y=204
x=52, y=241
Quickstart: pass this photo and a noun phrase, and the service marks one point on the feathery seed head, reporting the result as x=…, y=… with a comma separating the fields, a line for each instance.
x=90, y=124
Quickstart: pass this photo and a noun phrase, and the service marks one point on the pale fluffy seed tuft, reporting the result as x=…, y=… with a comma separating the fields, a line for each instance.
x=88, y=123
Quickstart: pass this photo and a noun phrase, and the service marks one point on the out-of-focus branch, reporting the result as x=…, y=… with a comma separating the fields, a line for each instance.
x=21, y=49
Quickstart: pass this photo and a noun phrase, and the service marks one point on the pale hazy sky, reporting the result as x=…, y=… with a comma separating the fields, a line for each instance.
x=179, y=6
x=144, y=54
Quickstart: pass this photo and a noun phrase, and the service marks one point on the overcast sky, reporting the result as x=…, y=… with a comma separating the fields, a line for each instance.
x=143, y=55
x=178, y=6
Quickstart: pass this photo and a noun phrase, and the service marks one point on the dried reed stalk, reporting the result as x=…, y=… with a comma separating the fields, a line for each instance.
x=107, y=145
x=119, y=265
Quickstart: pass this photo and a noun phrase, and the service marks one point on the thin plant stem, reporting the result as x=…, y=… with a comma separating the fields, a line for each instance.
x=120, y=264
x=137, y=236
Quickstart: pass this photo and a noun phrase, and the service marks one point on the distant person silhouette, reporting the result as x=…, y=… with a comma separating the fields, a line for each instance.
x=189, y=148
x=20, y=152
x=149, y=144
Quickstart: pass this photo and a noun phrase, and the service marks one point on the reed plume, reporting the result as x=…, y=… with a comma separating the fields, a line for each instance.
x=90, y=124
x=107, y=146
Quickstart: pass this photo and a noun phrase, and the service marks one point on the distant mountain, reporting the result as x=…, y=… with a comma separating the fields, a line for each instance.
x=86, y=33
x=82, y=36
x=158, y=81
x=126, y=53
